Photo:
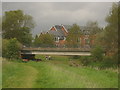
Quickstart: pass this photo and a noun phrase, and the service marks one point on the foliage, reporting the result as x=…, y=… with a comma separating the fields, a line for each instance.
x=0, y=36
x=97, y=53
x=108, y=62
x=36, y=42
x=73, y=38
x=17, y=25
x=11, y=48
x=44, y=40
x=94, y=27
x=4, y=47
x=85, y=60
x=74, y=57
x=0, y=46
x=94, y=30
x=109, y=37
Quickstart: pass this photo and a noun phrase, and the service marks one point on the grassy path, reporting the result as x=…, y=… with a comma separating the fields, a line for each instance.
x=55, y=74
x=18, y=75
x=63, y=76
x=59, y=77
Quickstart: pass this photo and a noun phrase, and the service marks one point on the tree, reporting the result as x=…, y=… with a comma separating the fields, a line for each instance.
x=109, y=37
x=44, y=40
x=17, y=25
x=111, y=30
x=94, y=27
x=119, y=31
x=0, y=36
x=4, y=47
x=11, y=48
x=73, y=38
x=37, y=41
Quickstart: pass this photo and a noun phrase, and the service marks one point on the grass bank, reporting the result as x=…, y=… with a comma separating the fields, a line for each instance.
x=56, y=73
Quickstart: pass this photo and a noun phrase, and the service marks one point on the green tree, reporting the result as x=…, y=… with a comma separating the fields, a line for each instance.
x=109, y=37
x=73, y=38
x=44, y=40
x=111, y=30
x=0, y=37
x=36, y=41
x=11, y=48
x=4, y=47
x=17, y=25
x=97, y=53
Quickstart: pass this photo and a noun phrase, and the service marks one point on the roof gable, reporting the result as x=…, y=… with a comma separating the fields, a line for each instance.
x=53, y=28
x=57, y=31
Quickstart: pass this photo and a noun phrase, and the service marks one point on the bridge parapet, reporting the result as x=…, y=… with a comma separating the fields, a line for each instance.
x=58, y=49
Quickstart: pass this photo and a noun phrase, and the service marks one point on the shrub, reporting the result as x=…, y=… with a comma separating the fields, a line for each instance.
x=11, y=48
x=4, y=47
x=74, y=57
x=108, y=62
x=115, y=58
x=97, y=53
x=85, y=60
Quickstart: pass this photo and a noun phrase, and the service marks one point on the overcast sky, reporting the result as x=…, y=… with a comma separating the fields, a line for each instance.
x=48, y=14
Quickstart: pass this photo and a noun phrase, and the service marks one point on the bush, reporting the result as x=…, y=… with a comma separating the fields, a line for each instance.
x=0, y=46
x=97, y=53
x=74, y=57
x=108, y=62
x=4, y=47
x=85, y=60
x=11, y=48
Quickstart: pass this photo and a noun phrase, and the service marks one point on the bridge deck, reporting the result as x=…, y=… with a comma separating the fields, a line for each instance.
x=60, y=53
x=57, y=51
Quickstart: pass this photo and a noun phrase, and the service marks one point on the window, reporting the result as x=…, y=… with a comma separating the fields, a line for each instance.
x=57, y=39
x=87, y=41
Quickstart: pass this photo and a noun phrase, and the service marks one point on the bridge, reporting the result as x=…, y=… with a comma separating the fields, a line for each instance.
x=57, y=51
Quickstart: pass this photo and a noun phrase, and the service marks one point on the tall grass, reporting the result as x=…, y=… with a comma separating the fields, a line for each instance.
x=17, y=75
x=56, y=73
x=0, y=72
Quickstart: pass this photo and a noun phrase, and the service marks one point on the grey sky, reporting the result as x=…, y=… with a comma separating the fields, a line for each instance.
x=48, y=14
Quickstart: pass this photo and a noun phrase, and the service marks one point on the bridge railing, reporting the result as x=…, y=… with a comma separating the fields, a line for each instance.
x=56, y=49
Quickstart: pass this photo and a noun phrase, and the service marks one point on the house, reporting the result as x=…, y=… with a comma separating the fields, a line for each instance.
x=86, y=39
x=60, y=33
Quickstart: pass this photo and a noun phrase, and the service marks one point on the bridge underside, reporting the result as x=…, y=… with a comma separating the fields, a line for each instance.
x=60, y=53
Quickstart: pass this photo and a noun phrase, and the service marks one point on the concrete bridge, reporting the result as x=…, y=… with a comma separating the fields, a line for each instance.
x=57, y=51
